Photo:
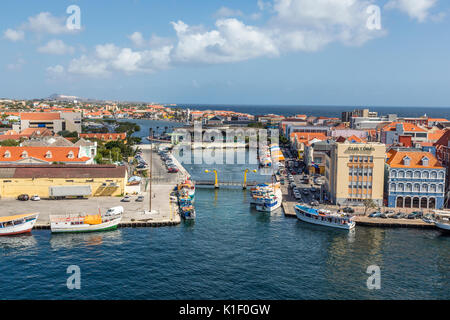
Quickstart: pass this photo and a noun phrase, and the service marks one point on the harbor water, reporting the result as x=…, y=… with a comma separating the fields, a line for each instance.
x=230, y=252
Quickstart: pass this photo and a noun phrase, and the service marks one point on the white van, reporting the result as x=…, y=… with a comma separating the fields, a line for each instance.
x=114, y=211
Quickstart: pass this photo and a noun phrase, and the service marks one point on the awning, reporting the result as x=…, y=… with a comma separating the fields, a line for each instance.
x=70, y=191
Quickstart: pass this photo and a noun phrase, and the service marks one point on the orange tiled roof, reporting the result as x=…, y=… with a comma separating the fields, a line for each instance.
x=435, y=136
x=408, y=127
x=58, y=154
x=42, y=116
x=396, y=159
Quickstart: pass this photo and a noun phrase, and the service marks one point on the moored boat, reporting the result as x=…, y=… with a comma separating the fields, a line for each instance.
x=324, y=217
x=187, y=210
x=18, y=224
x=85, y=222
x=187, y=187
x=442, y=220
x=269, y=203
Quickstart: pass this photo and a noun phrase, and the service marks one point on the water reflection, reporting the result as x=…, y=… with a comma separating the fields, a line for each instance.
x=18, y=242
x=74, y=240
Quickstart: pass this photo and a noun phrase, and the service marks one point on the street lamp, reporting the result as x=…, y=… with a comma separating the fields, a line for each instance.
x=216, y=183
x=244, y=186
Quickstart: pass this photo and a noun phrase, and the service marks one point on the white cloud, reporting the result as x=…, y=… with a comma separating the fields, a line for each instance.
x=416, y=9
x=137, y=39
x=232, y=41
x=225, y=12
x=45, y=22
x=14, y=35
x=56, y=47
x=109, y=58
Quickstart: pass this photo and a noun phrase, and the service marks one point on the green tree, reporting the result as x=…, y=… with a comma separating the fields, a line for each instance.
x=10, y=143
x=369, y=204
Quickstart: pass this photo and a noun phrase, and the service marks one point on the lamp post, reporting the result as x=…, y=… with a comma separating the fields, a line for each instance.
x=244, y=186
x=216, y=183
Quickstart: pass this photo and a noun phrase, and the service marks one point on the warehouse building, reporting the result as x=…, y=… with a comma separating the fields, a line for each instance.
x=62, y=181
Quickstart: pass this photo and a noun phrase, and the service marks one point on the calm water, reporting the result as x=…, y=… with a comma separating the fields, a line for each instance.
x=326, y=111
x=229, y=252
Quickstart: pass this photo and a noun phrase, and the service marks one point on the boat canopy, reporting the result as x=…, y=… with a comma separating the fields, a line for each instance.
x=17, y=217
x=308, y=210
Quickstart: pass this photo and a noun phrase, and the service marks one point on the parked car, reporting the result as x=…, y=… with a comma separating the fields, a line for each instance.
x=390, y=214
x=172, y=170
x=314, y=203
x=35, y=198
x=305, y=191
x=375, y=214
x=140, y=199
x=415, y=215
x=23, y=197
x=399, y=215
x=348, y=210
x=313, y=189
x=126, y=199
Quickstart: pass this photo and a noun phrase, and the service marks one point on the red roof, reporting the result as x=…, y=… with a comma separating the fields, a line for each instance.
x=48, y=154
x=42, y=116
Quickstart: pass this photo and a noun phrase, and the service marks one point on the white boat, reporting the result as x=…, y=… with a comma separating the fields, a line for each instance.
x=19, y=224
x=84, y=222
x=269, y=204
x=442, y=220
x=324, y=217
x=262, y=191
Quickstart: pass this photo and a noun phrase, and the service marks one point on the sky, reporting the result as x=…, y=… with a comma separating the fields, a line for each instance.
x=271, y=52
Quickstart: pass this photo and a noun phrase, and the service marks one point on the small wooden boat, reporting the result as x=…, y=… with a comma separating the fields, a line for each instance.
x=18, y=224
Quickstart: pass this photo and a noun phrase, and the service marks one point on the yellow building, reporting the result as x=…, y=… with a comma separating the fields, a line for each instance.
x=58, y=181
x=354, y=172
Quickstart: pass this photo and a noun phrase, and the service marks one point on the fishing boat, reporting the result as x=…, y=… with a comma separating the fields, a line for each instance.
x=86, y=222
x=442, y=220
x=187, y=210
x=324, y=217
x=269, y=203
x=187, y=187
x=17, y=224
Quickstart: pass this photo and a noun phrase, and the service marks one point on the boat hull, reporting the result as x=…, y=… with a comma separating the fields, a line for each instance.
x=443, y=226
x=18, y=229
x=302, y=217
x=263, y=208
x=68, y=228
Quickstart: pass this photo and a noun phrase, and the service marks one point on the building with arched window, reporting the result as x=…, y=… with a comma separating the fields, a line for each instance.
x=415, y=179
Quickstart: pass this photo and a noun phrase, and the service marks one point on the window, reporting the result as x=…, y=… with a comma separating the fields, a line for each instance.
x=416, y=187
x=24, y=154
x=70, y=155
x=441, y=175
x=401, y=174
x=425, y=161
x=417, y=174
x=409, y=174
x=7, y=154
x=48, y=155
x=433, y=175
x=425, y=175
x=406, y=161
x=394, y=174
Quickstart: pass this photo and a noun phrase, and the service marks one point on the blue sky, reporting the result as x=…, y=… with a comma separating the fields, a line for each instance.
x=290, y=52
